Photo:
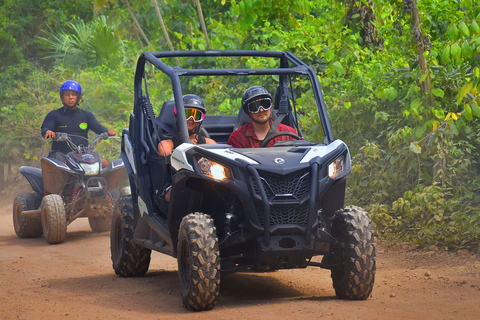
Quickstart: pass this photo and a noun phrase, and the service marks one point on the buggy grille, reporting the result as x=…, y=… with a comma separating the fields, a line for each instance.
x=284, y=214
x=295, y=185
x=279, y=189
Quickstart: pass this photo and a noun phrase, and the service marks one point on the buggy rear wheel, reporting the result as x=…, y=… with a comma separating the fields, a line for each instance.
x=26, y=227
x=129, y=259
x=353, y=279
x=198, y=262
x=54, y=220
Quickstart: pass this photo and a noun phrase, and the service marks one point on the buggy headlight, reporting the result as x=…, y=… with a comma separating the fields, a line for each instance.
x=90, y=169
x=337, y=167
x=213, y=169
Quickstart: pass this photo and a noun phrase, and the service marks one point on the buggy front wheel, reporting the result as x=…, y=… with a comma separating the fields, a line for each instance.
x=353, y=279
x=198, y=262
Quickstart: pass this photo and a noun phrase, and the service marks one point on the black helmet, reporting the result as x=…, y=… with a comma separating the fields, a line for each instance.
x=194, y=101
x=252, y=93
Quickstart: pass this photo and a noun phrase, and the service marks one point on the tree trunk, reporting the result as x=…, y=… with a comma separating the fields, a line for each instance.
x=202, y=23
x=138, y=25
x=425, y=86
x=167, y=38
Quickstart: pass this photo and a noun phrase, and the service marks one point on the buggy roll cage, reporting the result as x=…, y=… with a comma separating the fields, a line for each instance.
x=175, y=72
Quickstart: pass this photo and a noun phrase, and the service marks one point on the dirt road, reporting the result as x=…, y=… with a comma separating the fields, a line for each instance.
x=75, y=280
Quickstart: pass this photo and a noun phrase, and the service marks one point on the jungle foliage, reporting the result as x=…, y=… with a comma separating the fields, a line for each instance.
x=400, y=78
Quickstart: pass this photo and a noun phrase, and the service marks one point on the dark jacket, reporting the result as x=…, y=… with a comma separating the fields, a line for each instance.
x=76, y=122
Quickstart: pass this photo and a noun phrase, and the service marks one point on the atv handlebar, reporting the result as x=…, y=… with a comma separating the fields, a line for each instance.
x=63, y=136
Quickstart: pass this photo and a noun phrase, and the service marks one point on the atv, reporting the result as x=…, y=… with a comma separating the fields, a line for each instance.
x=65, y=191
x=234, y=209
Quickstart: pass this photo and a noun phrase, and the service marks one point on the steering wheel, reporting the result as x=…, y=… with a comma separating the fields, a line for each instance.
x=278, y=134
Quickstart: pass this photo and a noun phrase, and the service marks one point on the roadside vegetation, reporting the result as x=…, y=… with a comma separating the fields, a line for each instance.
x=401, y=81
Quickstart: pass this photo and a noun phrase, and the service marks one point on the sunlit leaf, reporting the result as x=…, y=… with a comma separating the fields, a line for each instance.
x=456, y=51
x=464, y=29
x=468, y=113
x=438, y=92
x=467, y=87
x=415, y=148
x=453, y=33
x=337, y=66
x=446, y=54
x=475, y=109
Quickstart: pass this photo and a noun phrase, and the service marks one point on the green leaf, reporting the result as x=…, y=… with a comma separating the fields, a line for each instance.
x=456, y=51
x=416, y=103
x=463, y=91
x=415, y=148
x=467, y=51
x=420, y=131
x=464, y=29
x=347, y=105
x=446, y=54
x=468, y=113
x=475, y=109
x=329, y=55
x=474, y=27
x=337, y=66
x=438, y=92
x=390, y=93
x=453, y=33
x=241, y=7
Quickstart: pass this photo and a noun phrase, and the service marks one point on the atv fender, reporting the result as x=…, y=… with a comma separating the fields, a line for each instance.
x=34, y=177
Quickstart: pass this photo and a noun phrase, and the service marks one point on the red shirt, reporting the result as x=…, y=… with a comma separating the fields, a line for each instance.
x=245, y=137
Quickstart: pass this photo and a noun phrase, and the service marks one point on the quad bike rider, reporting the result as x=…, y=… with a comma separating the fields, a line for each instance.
x=234, y=209
x=74, y=180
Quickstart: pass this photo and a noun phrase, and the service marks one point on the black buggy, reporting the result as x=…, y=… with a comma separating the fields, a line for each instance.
x=233, y=209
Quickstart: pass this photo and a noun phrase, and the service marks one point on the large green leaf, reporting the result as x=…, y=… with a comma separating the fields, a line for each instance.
x=446, y=54
x=468, y=113
x=337, y=66
x=453, y=33
x=475, y=109
x=464, y=29
x=456, y=51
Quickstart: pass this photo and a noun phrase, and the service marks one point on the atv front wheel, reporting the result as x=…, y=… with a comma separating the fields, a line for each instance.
x=129, y=260
x=198, y=262
x=54, y=220
x=353, y=279
x=25, y=226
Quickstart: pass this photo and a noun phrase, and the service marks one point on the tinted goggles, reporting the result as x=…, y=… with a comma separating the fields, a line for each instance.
x=195, y=114
x=255, y=105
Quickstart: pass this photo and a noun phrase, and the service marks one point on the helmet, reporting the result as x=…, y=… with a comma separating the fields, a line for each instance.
x=71, y=85
x=194, y=101
x=252, y=93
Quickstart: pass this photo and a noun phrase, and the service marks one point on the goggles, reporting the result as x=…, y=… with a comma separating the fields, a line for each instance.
x=195, y=114
x=255, y=105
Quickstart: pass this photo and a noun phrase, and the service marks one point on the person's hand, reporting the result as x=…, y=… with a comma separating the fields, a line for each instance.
x=112, y=132
x=50, y=134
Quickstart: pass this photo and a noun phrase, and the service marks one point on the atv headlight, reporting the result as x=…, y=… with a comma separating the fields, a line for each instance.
x=337, y=167
x=213, y=169
x=90, y=169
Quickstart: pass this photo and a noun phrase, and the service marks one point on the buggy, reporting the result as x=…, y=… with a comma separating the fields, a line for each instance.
x=233, y=209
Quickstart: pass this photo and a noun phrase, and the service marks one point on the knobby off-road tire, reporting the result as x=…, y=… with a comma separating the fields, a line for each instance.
x=26, y=227
x=101, y=224
x=54, y=219
x=198, y=262
x=355, y=277
x=129, y=260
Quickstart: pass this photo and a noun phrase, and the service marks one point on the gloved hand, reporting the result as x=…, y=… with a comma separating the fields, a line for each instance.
x=112, y=132
x=50, y=134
